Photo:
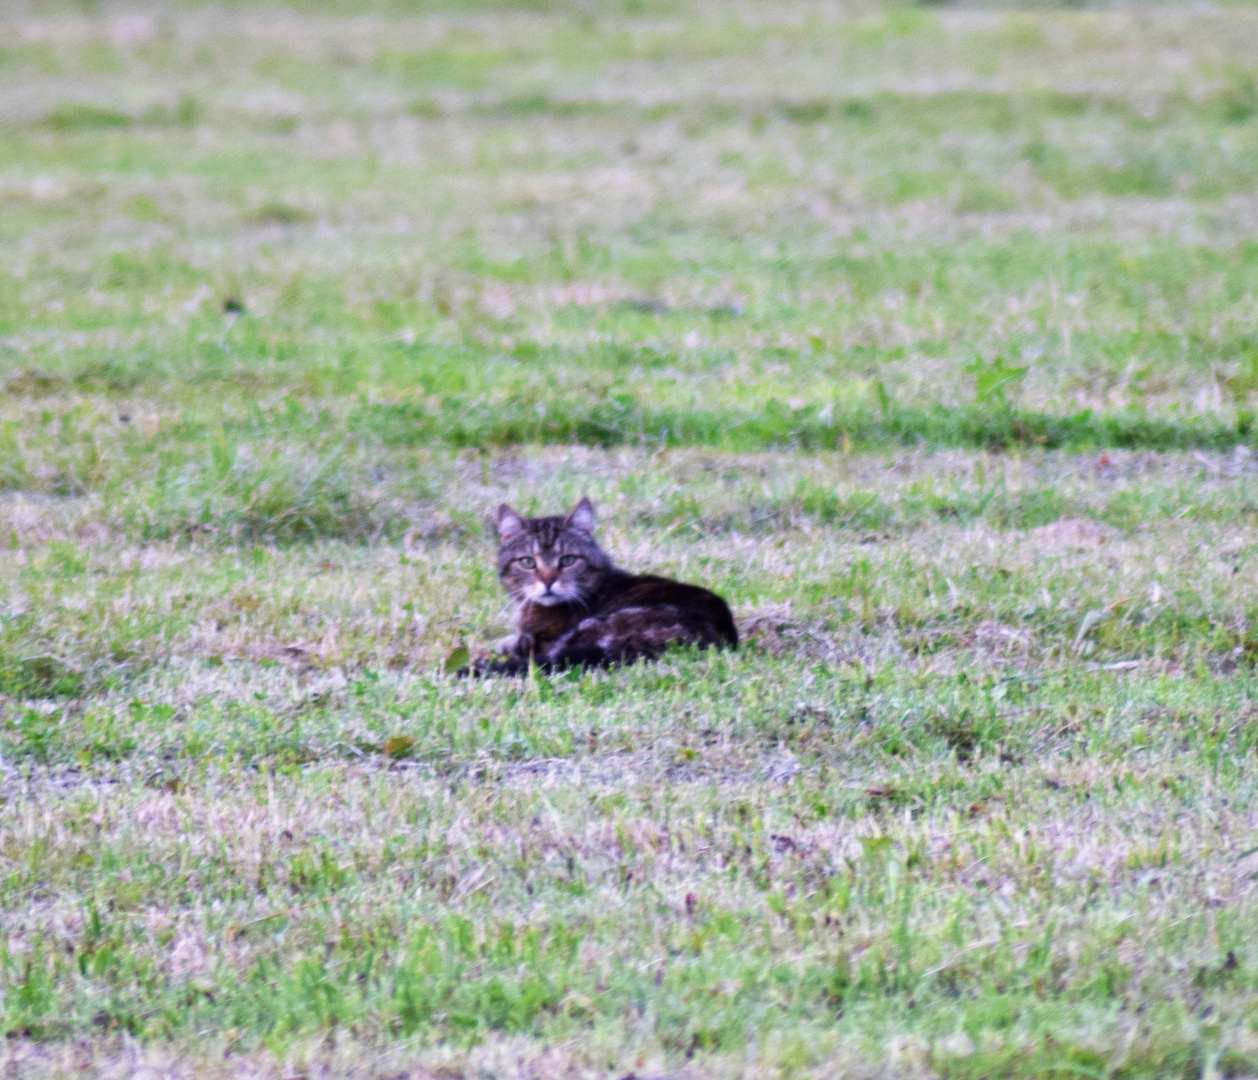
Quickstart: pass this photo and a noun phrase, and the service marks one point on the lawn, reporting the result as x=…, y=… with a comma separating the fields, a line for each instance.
x=927, y=335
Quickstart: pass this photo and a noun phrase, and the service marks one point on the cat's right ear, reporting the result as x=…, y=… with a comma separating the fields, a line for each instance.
x=510, y=523
x=582, y=517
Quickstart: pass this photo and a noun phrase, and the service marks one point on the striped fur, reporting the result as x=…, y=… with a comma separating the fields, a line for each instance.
x=574, y=607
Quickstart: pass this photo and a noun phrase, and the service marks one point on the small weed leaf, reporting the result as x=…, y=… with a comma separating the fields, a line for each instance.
x=456, y=661
x=1089, y=623
x=538, y=683
x=884, y=399
x=990, y=379
x=398, y=746
x=1245, y=381
x=875, y=845
x=838, y=982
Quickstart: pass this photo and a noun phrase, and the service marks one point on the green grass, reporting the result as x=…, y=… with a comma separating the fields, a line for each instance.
x=925, y=335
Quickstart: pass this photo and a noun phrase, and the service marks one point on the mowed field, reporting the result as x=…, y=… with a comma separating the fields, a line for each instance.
x=926, y=335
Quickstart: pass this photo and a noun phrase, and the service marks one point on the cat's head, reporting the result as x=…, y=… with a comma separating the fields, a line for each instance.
x=550, y=560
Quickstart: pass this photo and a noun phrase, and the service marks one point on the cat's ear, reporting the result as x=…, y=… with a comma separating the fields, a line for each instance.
x=509, y=523
x=582, y=517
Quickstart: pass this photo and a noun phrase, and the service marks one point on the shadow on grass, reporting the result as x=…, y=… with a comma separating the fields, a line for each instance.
x=621, y=420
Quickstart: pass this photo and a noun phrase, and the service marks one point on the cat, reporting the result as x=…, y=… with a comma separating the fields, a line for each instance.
x=575, y=608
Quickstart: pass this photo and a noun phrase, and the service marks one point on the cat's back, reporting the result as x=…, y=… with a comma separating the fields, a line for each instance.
x=649, y=597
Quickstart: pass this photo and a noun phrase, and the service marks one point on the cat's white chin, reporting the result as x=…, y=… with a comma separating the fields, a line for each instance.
x=548, y=599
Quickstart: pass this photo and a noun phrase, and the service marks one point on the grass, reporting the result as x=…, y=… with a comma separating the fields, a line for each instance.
x=925, y=335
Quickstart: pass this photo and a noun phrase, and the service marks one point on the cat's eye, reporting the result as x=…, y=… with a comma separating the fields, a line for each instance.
x=567, y=560
x=528, y=563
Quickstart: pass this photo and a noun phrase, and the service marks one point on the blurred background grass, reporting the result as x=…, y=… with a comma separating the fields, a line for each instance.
x=344, y=236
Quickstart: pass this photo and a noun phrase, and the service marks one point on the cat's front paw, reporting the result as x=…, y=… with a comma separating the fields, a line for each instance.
x=519, y=645
x=485, y=669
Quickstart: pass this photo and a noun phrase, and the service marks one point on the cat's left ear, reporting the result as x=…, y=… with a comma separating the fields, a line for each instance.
x=582, y=517
x=509, y=523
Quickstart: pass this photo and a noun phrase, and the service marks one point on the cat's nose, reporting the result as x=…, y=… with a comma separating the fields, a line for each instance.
x=547, y=577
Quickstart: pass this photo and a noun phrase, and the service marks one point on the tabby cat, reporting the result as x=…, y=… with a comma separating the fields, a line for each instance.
x=575, y=608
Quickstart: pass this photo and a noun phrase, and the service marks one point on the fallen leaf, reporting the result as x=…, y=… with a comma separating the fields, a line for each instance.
x=882, y=791
x=456, y=660
x=397, y=746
